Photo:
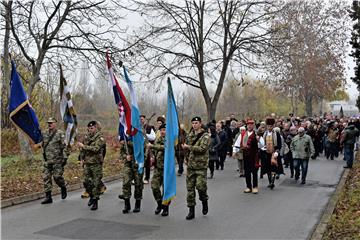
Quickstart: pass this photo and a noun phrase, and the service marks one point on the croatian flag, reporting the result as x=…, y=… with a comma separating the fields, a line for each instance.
x=122, y=104
x=138, y=138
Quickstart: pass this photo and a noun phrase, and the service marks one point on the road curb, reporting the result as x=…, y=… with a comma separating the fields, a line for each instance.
x=35, y=196
x=320, y=228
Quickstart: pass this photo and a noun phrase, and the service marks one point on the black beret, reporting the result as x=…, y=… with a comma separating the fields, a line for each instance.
x=196, y=119
x=162, y=126
x=91, y=124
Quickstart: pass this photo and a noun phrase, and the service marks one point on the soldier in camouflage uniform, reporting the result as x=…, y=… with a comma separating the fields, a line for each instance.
x=158, y=178
x=92, y=158
x=198, y=145
x=55, y=156
x=130, y=173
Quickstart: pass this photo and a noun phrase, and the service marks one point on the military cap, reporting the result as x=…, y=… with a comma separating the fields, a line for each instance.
x=196, y=119
x=92, y=123
x=51, y=120
x=162, y=126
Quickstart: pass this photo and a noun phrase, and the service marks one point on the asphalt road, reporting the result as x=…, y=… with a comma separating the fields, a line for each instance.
x=290, y=211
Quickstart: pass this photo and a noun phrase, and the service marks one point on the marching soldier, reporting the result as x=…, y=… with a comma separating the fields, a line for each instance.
x=92, y=159
x=130, y=173
x=158, y=177
x=55, y=157
x=198, y=146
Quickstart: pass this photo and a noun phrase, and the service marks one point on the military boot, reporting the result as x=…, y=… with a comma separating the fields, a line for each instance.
x=127, y=206
x=165, y=211
x=191, y=214
x=205, y=207
x=48, y=198
x=159, y=207
x=63, y=192
x=91, y=200
x=121, y=196
x=137, y=206
x=95, y=204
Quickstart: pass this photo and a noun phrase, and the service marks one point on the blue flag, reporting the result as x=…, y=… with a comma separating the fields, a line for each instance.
x=138, y=137
x=172, y=132
x=21, y=112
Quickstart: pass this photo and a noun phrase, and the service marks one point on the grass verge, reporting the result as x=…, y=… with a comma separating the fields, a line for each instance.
x=18, y=178
x=345, y=220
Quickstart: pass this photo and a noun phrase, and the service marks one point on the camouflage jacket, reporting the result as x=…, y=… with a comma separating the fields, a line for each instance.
x=159, y=147
x=199, y=154
x=129, y=151
x=94, y=148
x=53, y=151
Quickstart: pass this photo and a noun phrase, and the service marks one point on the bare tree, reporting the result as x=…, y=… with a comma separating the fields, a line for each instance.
x=310, y=63
x=5, y=79
x=64, y=31
x=198, y=41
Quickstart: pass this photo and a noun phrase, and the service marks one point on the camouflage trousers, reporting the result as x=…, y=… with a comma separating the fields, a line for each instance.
x=93, y=174
x=130, y=172
x=52, y=170
x=196, y=179
x=157, y=183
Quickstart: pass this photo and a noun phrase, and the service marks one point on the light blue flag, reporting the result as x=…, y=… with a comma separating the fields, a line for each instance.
x=172, y=132
x=138, y=138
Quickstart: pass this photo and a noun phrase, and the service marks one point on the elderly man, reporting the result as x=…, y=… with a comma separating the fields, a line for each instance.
x=302, y=149
x=247, y=142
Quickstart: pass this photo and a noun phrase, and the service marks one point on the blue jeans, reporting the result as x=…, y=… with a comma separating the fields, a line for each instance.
x=349, y=155
x=304, y=167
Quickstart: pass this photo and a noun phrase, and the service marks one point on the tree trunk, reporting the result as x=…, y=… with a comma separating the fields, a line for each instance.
x=211, y=110
x=25, y=149
x=5, y=83
x=308, y=105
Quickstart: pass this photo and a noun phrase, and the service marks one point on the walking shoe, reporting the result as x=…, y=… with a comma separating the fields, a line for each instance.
x=255, y=190
x=145, y=181
x=346, y=166
x=302, y=181
x=248, y=190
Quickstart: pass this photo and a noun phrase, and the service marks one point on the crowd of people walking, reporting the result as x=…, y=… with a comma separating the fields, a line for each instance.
x=261, y=148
